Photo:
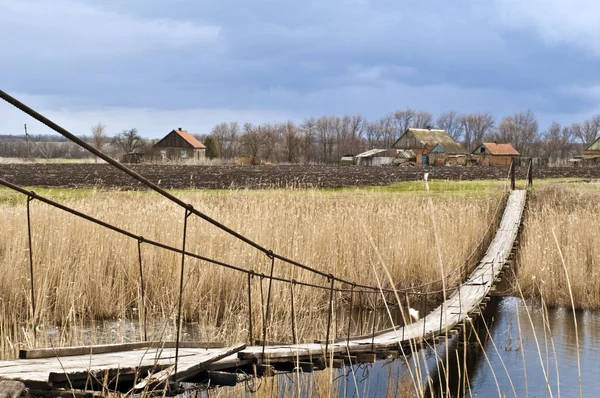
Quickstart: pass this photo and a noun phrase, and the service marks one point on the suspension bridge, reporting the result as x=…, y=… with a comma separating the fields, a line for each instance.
x=169, y=365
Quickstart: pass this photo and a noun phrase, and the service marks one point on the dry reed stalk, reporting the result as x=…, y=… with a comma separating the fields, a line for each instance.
x=574, y=212
x=562, y=259
x=84, y=272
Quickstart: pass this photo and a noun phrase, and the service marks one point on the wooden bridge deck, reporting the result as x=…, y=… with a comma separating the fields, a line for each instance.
x=143, y=366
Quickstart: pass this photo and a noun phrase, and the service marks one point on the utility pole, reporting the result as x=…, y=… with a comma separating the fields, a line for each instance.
x=27, y=139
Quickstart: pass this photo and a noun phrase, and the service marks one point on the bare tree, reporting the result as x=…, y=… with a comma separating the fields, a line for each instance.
x=271, y=134
x=520, y=129
x=291, y=141
x=98, y=137
x=226, y=136
x=253, y=139
x=423, y=120
x=388, y=131
x=403, y=120
x=474, y=127
x=450, y=121
x=554, y=140
x=326, y=129
x=128, y=140
x=308, y=138
x=588, y=131
x=220, y=133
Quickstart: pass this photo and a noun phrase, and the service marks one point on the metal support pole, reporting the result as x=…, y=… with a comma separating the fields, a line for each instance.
x=142, y=288
x=350, y=313
x=404, y=317
x=250, y=334
x=360, y=301
x=181, y=277
x=373, y=328
x=424, y=321
x=270, y=255
x=294, y=338
x=441, y=316
x=33, y=313
x=330, y=314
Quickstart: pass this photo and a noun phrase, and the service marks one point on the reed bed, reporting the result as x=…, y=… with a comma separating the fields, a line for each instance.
x=570, y=212
x=84, y=272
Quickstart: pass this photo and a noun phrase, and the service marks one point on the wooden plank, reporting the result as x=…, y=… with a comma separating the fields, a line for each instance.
x=108, y=348
x=11, y=389
x=188, y=369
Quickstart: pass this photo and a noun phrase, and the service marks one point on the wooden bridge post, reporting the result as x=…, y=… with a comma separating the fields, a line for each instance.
x=512, y=174
x=530, y=174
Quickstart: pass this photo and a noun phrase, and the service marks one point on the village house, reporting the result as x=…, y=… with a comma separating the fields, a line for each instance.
x=494, y=154
x=178, y=146
x=423, y=142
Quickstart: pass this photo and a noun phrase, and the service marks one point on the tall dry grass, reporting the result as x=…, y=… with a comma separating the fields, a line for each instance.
x=84, y=272
x=572, y=211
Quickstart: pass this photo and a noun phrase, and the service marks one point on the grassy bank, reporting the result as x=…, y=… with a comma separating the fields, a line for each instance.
x=571, y=212
x=85, y=272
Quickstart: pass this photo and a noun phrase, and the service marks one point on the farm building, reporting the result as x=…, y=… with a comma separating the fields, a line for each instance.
x=422, y=141
x=177, y=146
x=374, y=157
x=447, y=154
x=494, y=154
x=593, y=149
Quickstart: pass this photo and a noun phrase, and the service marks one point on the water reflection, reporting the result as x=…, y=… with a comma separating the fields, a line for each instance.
x=531, y=346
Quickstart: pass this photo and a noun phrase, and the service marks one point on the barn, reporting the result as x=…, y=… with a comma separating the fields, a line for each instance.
x=179, y=146
x=494, y=154
x=422, y=141
x=593, y=149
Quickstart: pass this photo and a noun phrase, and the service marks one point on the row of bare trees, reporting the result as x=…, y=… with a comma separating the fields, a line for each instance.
x=327, y=138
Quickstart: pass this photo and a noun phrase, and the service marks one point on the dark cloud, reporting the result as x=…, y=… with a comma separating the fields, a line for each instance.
x=294, y=57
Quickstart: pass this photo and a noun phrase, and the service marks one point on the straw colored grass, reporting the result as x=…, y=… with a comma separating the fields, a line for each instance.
x=572, y=211
x=85, y=272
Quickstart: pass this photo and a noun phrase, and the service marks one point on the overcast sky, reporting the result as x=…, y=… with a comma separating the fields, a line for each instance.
x=156, y=65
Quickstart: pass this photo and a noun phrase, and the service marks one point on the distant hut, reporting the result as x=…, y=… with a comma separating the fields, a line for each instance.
x=179, y=145
x=422, y=141
x=447, y=154
x=374, y=157
x=593, y=149
x=495, y=154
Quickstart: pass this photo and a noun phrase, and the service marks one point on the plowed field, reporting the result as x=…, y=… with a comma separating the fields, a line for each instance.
x=233, y=177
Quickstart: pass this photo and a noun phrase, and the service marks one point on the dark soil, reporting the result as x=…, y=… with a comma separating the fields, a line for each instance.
x=254, y=177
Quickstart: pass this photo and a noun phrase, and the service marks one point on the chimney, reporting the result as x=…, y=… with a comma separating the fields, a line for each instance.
x=180, y=128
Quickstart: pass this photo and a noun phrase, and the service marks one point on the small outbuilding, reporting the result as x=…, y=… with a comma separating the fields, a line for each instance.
x=495, y=154
x=177, y=146
x=447, y=154
x=373, y=157
x=422, y=141
x=593, y=149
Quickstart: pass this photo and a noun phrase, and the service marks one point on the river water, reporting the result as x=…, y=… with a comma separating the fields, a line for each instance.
x=533, y=354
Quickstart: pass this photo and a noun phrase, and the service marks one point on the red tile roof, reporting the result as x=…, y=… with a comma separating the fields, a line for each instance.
x=190, y=139
x=501, y=149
